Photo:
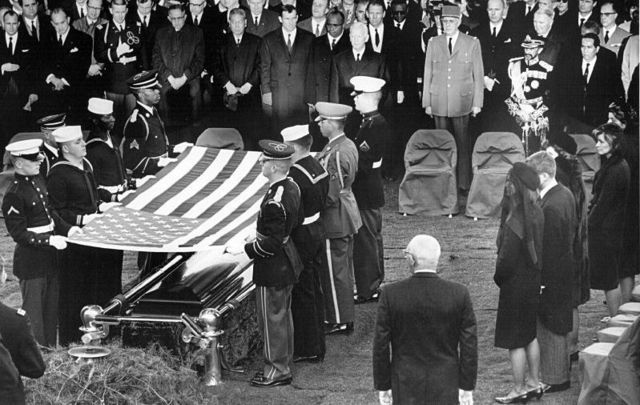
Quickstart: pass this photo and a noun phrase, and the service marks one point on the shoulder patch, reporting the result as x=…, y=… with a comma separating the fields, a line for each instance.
x=21, y=312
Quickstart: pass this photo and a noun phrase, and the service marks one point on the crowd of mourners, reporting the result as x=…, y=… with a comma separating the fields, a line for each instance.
x=115, y=81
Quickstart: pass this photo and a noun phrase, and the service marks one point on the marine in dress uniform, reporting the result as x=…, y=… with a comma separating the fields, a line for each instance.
x=308, y=300
x=76, y=198
x=276, y=263
x=19, y=355
x=49, y=124
x=368, y=258
x=340, y=216
x=36, y=230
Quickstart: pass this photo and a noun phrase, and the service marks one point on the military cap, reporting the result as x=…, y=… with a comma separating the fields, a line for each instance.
x=332, y=111
x=27, y=149
x=366, y=84
x=67, y=134
x=450, y=10
x=100, y=106
x=147, y=79
x=272, y=150
x=294, y=133
x=532, y=42
x=51, y=122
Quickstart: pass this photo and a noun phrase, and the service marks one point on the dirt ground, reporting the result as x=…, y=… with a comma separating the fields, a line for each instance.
x=345, y=377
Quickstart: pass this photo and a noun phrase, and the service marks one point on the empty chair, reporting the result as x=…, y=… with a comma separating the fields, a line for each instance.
x=221, y=138
x=493, y=155
x=589, y=160
x=429, y=183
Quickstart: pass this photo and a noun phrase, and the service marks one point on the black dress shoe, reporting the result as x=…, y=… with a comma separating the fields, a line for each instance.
x=556, y=387
x=262, y=381
x=513, y=399
x=338, y=328
x=357, y=299
x=308, y=359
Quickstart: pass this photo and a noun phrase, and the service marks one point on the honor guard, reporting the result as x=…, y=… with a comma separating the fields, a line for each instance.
x=145, y=146
x=19, y=355
x=276, y=263
x=37, y=230
x=74, y=195
x=308, y=301
x=49, y=124
x=368, y=258
x=340, y=216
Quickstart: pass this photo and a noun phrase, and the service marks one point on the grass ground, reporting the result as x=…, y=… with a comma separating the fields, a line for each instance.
x=345, y=377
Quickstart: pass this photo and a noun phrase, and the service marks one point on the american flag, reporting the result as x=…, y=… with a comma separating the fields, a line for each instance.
x=203, y=200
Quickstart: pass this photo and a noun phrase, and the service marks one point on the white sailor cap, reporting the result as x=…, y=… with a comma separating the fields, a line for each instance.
x=294, y=133
x=366, y=84
x=67, y=134
x=100, y=106
x=26, y=148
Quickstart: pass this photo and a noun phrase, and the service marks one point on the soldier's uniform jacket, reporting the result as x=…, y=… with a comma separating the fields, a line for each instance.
x=30, y=222
x=50, y=157
x=277, y=263
x=144, y=141
x=108, y=168
x=341, y=216
x=313, y=181
x=118, y=69
x=17, y=338
x=370, y=141
x=73, y=192
x=529, y=81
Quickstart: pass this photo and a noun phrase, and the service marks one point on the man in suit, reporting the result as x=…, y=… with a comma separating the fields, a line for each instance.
x=520, y=17
x=380, y=39
x=261, y=21
x=611, y=36
x=555, y=41
x=88, y=24
x=179, y=57
x=340, y=217
x=316, y=24
x=498, y=42
x=590, y=84
x=120, y=47
x=17, y=68
x=276, y=263
x=307, y=297
x=70, y=58
x=555, y=313
x=425, y=348
x=284, y=61
x=236, y=71
x=149, y=18
x=77, y=9
x=36, y=25
x=451, y=96
x=371, y=139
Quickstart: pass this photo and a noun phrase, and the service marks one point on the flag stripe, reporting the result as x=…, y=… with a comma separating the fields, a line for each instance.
x=247, y=216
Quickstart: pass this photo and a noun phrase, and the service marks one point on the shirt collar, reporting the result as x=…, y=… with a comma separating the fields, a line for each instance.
x=334, y=140
x=14, y=36
x=395, y=23
x=454, y=37
x=330, y=38
x=548, y=187
x=149, y=108
x=611, y=30
x=292, y=33
x=355, y=54
x=498, y=26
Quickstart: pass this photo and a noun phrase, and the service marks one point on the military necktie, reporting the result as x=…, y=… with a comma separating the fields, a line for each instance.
x=606, y=37
x=377, y=38
x=586, y=73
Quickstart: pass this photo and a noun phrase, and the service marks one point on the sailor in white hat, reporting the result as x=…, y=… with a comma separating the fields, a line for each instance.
x=309, y=237
x=35, y=228
x=372, y=139
x=340, y=218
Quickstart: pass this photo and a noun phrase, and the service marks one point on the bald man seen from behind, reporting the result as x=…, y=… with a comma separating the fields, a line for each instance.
x=429, y=325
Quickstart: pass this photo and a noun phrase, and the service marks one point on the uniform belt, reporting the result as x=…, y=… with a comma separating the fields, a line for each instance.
x=377, y=164
x=113, y=189
x=42, y=229
x=313, y=218
x=127, y=59
x=532, y=101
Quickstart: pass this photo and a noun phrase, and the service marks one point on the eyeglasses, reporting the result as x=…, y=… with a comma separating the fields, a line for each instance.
x=177, y=18
x=197, y=4
x=608, y=14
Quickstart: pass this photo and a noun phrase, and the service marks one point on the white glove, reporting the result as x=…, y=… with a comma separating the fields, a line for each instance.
x=465, y=397
x=489, y=83
x=123, y=195
x=141, y=181
x=95, y=69
x=385, y=397
x=181, y=147
x=87, y=218
x=400, y=97
x=267, y=98
x=428, y=111
x=234, y=247
x=106, y=206
x=162, y=162
x=246, y=88
x=58, y=242
x=122, y=48
x=230, y=88
x=73, y=230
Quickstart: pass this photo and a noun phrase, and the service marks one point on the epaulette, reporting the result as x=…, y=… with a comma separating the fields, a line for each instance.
x=546, y=66
x=516, y=59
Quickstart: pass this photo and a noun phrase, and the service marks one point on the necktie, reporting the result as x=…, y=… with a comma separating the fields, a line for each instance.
x=586, y=73
x=60, y=39
x=11, y=45
x=81, y=12
x=450, y=47
x=289, y=43
x=256, y=21
x=606, y=37
x=581, y=22
x=144, y=21
x=495, y=34
x=195, y=21
x=397, y=25
x=238, y=41
x=317, y=34
x=358, y=57
x=34, y=30
x=377, y=38
x=333, y=44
